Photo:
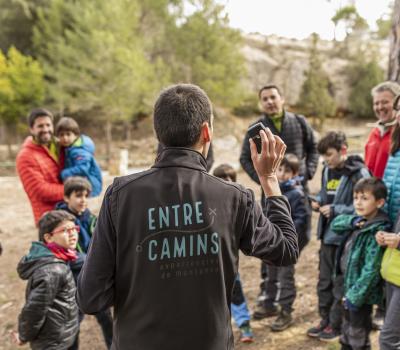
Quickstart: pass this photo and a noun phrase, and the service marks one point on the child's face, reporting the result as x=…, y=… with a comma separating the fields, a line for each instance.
x=284, y=173
x=366, y=204
x=334, y=158
x=77, y=201
x=67, y=138
x=65, y=235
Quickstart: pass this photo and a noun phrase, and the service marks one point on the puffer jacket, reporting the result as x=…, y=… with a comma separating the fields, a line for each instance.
x=49, y=318
x=79, y=161
x=391, y=178
x=354, y=169
x=39, y=174
x=362, y=280
x=377, y=150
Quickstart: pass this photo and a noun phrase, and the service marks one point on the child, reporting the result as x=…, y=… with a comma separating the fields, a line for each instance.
x=239, y=308
x=79, y=154
x=389, y=337
x=339, y=175
x=49, y=318
x=76, y=192
x=359, y=260
x=279, y=283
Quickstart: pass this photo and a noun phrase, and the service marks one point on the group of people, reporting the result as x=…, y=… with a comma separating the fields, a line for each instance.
x=163, y=252
x=358, y=226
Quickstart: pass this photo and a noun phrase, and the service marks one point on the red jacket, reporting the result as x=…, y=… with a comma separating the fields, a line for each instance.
x=39, y=174
x=377, y=151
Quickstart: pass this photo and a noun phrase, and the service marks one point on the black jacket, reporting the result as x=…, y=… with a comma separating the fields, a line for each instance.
x=165, y=253
x=299, y=139
x=49, y=318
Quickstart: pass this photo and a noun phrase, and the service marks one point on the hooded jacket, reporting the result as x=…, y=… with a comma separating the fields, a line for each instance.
x=391, y=178
x=354, y=169
x=165, y=253
x=362, y=280
x=49, y=318
x=80, y=161
x=86, y=222
x=39, y=174
x=299, y=209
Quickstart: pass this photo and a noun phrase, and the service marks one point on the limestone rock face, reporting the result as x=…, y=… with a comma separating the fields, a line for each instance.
x=282, y=61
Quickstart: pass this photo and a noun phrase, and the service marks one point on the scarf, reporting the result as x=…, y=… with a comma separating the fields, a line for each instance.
x=62, y=253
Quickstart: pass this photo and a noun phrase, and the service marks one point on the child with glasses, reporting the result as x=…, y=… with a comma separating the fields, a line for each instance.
x=49, y=318
x=77, y=190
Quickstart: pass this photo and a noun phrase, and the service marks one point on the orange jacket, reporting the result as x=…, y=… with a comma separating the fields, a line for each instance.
x=377, y=151
x=39, y=174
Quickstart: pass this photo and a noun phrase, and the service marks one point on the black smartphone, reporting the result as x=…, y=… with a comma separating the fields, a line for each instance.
x=254, y=133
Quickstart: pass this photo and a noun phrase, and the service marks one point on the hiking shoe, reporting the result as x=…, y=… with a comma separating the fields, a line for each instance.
x=246, y=334
x=283, y=321
x=264, y=312
x=329, y=335
x=314, y=332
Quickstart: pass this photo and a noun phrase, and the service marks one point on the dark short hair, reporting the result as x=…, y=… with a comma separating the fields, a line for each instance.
x=291, y=161
x=179, y=113
x=51, y=219
x=372, y=184
x=267, y=87
x=37, y=113
x=76, y=184
x=333, y=139
x=225, y=171
x=67, y=124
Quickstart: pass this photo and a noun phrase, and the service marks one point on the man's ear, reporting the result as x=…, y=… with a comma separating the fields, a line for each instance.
x=343, y=150
x=47, y=238
x=206, y=132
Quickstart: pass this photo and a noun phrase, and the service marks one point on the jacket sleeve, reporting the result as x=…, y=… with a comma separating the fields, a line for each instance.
x=312, y=155
x=245, y=160
x=342, y=223
x=299, y=211
x=43, y=291
x=271, y=237
x=81, y=164
x=95, y=289
x=34, y=182
x=370, y=274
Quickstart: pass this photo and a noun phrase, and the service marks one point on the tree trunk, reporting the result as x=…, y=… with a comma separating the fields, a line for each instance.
x=108, y=132
x=394, y=56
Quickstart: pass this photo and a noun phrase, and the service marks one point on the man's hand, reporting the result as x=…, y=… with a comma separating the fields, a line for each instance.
x=15, y=338
x=392, y=240
x=326, y=210
x=267, y=162
x=315, y=205
x=380, y=238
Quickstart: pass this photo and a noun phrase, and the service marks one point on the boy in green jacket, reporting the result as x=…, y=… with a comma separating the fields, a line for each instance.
x=359, y=260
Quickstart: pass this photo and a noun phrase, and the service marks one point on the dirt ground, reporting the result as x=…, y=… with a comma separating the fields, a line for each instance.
x=17, y=231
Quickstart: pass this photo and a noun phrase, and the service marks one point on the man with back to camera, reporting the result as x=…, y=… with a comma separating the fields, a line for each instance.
x=378, y=143
x=299, y=138
x=165, y=248
x=39, y=164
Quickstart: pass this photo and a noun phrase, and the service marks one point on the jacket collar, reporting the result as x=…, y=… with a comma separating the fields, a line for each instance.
x=180, y=157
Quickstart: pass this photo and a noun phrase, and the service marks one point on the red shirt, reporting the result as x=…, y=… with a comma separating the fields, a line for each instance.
x=377, y=151
x=39, y=174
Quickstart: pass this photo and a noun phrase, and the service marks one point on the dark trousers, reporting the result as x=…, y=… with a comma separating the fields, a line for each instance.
x=356, y=328
x=389, y=338
x=329, y=288
x=104, y=318
x=279, y=286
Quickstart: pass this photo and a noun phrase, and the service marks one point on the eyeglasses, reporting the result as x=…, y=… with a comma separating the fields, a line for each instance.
x=68, y=230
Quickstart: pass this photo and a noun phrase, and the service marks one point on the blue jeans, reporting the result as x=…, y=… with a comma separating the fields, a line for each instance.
x=240, y=312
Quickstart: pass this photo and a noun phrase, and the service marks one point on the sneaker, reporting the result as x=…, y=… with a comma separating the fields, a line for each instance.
x=283, y=321
x=314, y=332
x=246, y=334
x=264, y=312
x=329, y=335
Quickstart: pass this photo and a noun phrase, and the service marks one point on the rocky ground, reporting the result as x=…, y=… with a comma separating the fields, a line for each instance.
x=17, y=231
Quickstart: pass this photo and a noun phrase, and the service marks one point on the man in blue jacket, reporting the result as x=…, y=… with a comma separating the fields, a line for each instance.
x=164, y=252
